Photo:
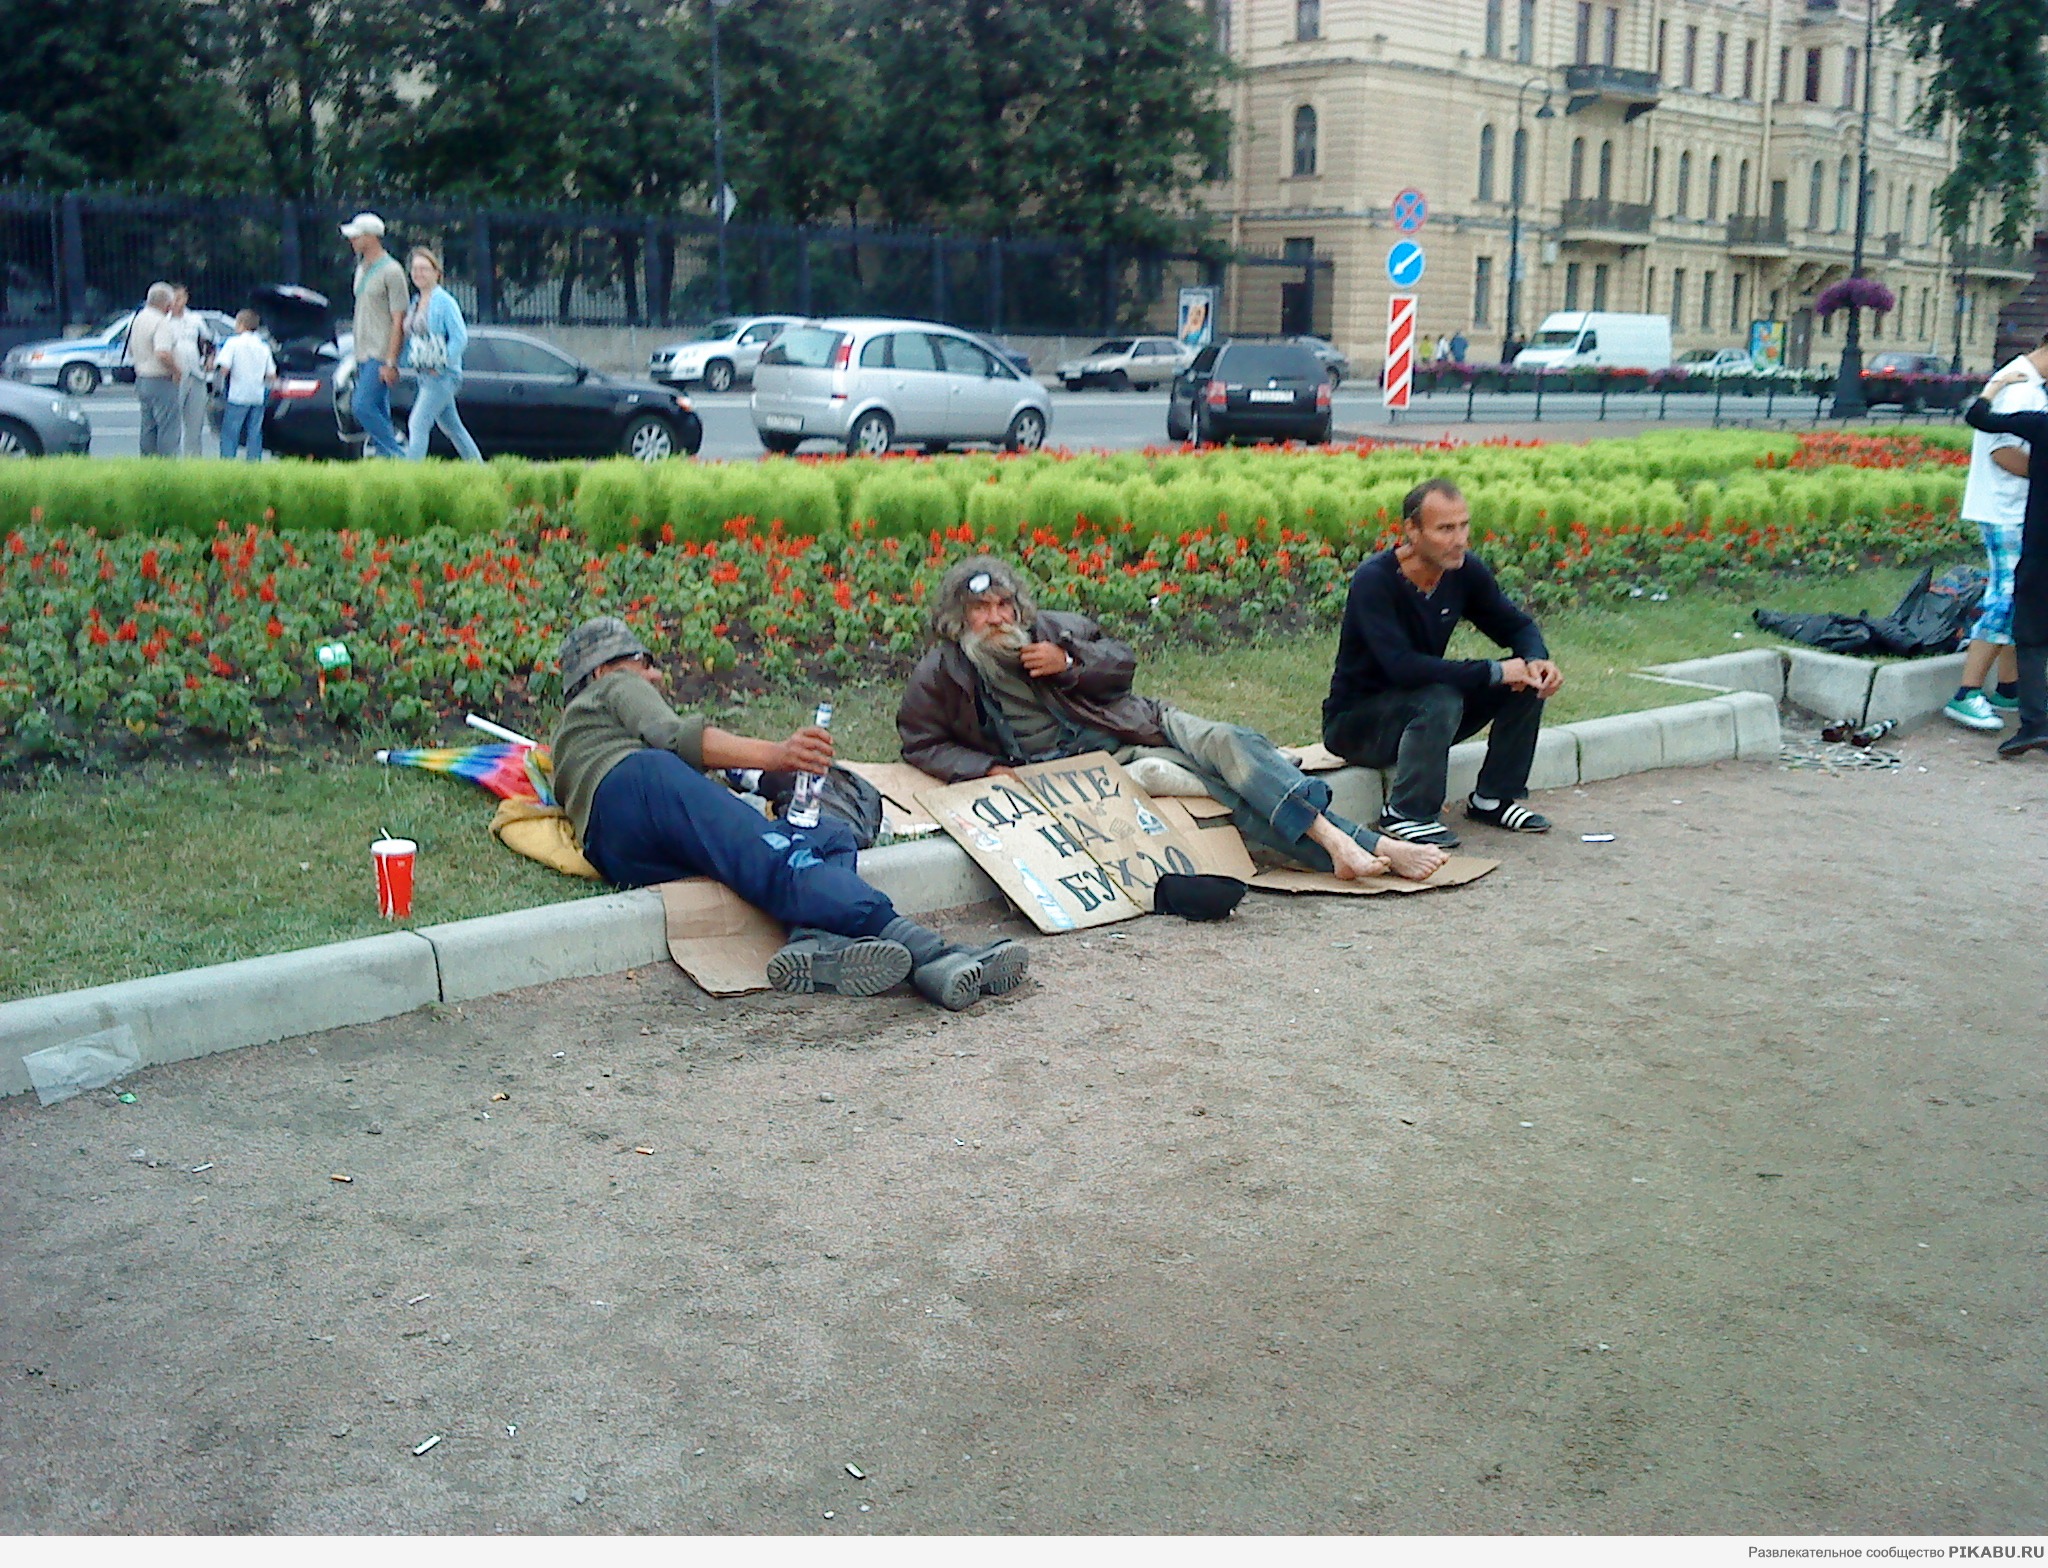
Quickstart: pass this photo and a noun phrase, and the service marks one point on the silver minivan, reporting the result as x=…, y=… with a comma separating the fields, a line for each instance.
x=876, y=384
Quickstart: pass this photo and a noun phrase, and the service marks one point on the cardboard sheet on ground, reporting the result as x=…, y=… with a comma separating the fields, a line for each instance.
x=1314, y=758
x=1073, y=843
x=900, y=785
x=1219, y=849
x=717, y=938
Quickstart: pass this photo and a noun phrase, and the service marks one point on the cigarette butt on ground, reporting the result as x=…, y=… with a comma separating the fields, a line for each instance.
x=345, y=1180
x=642, y=1149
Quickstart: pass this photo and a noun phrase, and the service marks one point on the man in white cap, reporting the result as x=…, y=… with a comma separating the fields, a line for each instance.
x=382, y=299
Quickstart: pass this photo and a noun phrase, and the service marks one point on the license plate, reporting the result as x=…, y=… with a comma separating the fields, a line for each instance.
x=783, y=421
x=1272, y=397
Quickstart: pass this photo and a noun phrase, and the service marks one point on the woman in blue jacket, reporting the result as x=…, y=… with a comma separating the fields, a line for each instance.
x=435, y=336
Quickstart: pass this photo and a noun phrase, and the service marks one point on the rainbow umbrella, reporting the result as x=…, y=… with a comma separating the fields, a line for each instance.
x=508, y=771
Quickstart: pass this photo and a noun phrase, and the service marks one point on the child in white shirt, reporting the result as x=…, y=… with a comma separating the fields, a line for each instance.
x=248, y=368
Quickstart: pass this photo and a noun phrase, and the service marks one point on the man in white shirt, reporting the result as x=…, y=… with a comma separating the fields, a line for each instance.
x=250, y=368
x=1995, y=499
x=178, y=346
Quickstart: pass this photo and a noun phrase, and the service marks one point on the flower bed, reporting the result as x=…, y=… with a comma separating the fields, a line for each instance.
x=116, y=642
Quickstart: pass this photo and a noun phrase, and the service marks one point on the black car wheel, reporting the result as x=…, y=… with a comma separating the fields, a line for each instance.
x=1026, y=432
x=79, y=379
x=1336, y=380
x=649, y=438
x=780, y=443
x=1176, y=427
x=1204, y=428
x=1118, y=381
x=17, y=440
x=718, y=376
x=871, y=436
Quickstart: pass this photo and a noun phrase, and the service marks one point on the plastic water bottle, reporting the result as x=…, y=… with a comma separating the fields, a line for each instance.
x=810, y=787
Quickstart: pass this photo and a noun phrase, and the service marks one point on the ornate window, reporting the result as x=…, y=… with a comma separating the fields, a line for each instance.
x=1304, y=140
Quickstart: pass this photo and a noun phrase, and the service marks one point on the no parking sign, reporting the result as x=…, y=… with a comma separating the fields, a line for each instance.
x=1411, y=210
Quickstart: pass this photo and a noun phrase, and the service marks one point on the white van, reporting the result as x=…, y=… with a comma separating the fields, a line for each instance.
x=1569, y=339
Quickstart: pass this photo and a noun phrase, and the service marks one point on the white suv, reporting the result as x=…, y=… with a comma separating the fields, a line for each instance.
x=724, y=352
x=875, y=384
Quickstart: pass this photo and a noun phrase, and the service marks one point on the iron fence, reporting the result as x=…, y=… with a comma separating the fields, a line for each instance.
x=75, y=257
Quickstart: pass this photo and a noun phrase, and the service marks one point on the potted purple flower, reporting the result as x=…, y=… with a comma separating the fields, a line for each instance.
x=1854, y=293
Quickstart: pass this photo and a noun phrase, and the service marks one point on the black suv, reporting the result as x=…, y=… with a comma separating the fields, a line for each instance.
x=1267, y=391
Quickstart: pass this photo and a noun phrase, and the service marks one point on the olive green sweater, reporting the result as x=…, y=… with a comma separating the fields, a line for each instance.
x=611, y=718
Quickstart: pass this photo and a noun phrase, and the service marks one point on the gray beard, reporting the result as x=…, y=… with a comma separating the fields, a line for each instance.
x=995, y=651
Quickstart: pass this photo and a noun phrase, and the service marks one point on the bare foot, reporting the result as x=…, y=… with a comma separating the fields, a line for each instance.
x=1415, y=862
x=1348, y=858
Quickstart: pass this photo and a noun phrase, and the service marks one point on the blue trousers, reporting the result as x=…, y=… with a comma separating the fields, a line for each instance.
x=372, y=405
x=240, y=424
x=656, y=819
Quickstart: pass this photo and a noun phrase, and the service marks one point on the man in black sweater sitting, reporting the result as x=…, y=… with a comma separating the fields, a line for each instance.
x=1396, y=701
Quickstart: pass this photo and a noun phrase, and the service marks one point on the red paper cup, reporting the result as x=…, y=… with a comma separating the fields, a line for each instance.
x=393, y=858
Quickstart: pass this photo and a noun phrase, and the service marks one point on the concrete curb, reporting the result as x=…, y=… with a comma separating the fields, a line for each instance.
x=257, y=1000
x=1831, y=685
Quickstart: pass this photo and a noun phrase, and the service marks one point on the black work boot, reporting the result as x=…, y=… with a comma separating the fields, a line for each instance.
x=943, y=973
x=817, y=960
x=1004, y=965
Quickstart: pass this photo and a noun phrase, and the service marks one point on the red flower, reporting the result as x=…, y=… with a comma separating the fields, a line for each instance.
x=98, y=635
x=191, y=683
x=842, y=595
x=273, y=628
x=472, y=661
x=128, y=631
x=725, y=573
x=219, y=666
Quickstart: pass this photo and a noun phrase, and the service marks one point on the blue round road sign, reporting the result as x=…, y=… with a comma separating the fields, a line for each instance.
x=1405, y=264
x=1411, y=210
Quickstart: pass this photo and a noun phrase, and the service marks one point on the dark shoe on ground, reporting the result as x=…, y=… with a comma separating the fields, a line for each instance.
x=849, y=966
x=1511, y=815
x=2020, y=742
x=953, y=980
x=1414, y=832
x=1004, y=964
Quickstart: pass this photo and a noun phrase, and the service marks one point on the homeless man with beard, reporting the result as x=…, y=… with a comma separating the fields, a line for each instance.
x=1007, y=684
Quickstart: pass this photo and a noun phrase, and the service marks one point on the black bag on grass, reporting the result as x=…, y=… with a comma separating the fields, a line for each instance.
x=1933, y=618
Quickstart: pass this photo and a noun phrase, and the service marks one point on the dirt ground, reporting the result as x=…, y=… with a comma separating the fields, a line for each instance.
x=1690, y=1183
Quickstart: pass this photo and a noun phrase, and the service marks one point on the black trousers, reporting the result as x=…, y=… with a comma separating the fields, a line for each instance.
x=1413, y=731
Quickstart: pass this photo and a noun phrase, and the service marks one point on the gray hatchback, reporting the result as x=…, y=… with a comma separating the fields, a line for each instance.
x=871, y=385
x=35, y=422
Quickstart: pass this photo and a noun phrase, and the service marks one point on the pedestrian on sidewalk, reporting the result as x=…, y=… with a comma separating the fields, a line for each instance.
x=2030, y=572
x=1396, y=702
x=1995, y=499
x=183, y=337
x=250, y=370
x=1460, y=347
x=382, y=300
x=435, y=336
x=155, y=387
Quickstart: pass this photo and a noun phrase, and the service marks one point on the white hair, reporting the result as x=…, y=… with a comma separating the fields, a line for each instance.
x=159, y=295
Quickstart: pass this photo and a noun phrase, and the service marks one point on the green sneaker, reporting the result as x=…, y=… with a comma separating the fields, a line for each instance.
x=1972, y=712
x=2002, y=704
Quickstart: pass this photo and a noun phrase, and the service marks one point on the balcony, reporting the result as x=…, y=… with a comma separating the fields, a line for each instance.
x=1994, y=261
x=1635, y=93
x=1759, y=237
x=1594, y=220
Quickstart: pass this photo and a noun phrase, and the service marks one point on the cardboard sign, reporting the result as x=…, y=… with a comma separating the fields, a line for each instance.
x=717, y=938
x=1073, y=843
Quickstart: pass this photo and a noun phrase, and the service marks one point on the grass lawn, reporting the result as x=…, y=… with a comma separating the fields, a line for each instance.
x=170, y=868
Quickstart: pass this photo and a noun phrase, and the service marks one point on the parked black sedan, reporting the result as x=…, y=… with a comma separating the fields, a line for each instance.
x=520, y=397
x=1267, y=391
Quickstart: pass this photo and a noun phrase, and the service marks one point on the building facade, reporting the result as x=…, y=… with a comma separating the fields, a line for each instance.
x=1691, y=158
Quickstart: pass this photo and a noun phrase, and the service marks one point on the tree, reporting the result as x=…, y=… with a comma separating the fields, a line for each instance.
x=1991, y=74
x=316, y=83
x=103, y=91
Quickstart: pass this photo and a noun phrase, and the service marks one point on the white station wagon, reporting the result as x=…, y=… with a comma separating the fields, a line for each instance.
x=871, y=385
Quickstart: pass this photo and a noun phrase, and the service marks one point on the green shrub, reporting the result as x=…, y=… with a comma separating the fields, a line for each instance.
x=900, y=503
x=613, y=504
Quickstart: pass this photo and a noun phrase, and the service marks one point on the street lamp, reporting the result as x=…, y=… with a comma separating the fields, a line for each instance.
x=1849, y=377
x=1517, y=168
x=718, y=153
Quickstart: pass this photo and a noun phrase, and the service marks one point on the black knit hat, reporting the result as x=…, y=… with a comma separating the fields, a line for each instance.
x=1196, y=897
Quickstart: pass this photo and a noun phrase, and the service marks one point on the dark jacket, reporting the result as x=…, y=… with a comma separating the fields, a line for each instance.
x=945, y=726
x=1393, y=638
